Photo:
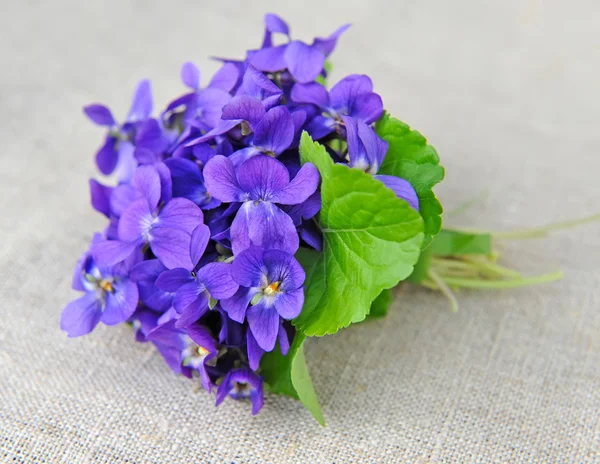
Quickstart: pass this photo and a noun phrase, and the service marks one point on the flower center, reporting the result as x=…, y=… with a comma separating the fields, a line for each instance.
x=202, y=352
x=146, y=224
x=271, y=289
x=106, y=285
x=241, y=388
x=193, y=355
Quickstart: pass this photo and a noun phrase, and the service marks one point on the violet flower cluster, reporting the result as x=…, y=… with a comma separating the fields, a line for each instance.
x=211, y=204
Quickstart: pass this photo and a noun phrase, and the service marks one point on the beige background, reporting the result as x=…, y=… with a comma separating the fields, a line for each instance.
x=508, y=93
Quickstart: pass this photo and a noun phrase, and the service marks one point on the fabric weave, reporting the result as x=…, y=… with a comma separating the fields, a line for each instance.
x=508, y=95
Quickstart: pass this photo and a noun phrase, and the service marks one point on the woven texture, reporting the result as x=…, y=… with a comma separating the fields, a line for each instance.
x=506, y=91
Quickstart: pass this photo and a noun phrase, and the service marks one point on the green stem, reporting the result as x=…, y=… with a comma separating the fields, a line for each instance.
x=429, y=284
x=444, y=289
x=450, y=263
x=472, y=265
x=492, y=267
x=468, y=273
x=499, y=284
x=453, y=268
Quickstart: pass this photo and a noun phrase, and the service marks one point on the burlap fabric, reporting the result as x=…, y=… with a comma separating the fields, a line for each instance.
x=507, y=92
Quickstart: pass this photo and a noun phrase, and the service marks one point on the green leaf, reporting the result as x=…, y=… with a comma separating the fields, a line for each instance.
x=288, y=375
x=422, y=267
x=371, y=241
x=410, y=157
x=453, y=243
x=315, y=153
x=381, y=304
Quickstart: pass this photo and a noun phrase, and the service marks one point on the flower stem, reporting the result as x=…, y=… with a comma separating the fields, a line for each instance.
x=442, y=287
x=507, y=283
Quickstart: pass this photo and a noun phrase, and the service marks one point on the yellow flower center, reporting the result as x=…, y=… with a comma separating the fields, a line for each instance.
x=106, y=285
x=271, y=289
x=202, y=351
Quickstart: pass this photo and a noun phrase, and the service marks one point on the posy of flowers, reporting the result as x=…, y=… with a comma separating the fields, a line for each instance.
x=262, y=209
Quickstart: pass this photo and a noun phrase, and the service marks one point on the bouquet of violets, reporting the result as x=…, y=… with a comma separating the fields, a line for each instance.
x=262, y=209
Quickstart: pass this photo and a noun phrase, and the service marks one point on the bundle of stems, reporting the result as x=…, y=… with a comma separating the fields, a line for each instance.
x=468, y=258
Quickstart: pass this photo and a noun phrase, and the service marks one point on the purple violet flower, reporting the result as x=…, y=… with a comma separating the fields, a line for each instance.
x=255, y=352
x=270, y=280
x=232, y=333
x=302, y=215
x=367, y=151
x=304, y=62
x=351, y=97
x=212, y=203
x=274, y=130
x=402, y=188
x=152, y=141
x=258, y=86
x=124, y=194
x=143, y=321
x=167, y=230
x=186, y=351
x=145, y=275
x=204, y=106
x=100, y=197
x=242, y=383
x=188, y=182
x=256, y=95
x=260, y=183
x=196, y=286
x=118, y=149
x=305, y=210
x=110, y=296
